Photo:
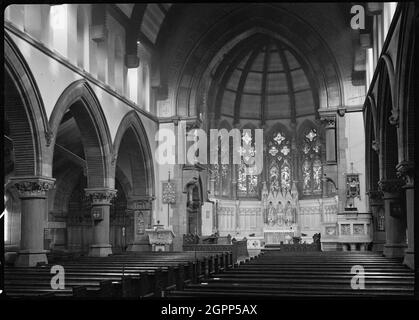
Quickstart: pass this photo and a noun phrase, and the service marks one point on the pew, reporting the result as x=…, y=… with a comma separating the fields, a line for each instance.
x=276, y=274
x=139, y=275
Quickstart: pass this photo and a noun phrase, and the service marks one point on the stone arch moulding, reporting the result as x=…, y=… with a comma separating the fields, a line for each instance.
x=132, y=121
x=96, y=138
x=373, y=109
x=386, y=62
x=34, y=128
x=196, y=61
x=387, y=119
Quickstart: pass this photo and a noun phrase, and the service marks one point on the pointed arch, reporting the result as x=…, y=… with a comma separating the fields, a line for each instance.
x=371, y=154
x=131, y=121
x=388, y=136
x=80, y=99
x=29, y=133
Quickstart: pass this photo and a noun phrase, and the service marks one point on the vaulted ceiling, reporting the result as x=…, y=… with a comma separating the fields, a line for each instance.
x=266, y=80
x=185, y=38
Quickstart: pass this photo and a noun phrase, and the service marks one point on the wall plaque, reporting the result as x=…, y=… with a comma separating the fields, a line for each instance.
x=97, y=214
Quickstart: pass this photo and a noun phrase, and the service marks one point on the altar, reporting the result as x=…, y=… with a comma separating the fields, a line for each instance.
x=280, y=215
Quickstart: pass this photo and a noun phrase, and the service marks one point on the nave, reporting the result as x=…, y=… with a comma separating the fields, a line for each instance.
x=106, y=178
x=271, y=274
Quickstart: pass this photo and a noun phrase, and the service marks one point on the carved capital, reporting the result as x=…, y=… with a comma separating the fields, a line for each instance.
x=100, y=196
x=33, y=187
x=375, y=145
x=406, y=171
x=394, y=119
x=390, y=186
x=329, y=122
x=194, y=124
x=341, y=111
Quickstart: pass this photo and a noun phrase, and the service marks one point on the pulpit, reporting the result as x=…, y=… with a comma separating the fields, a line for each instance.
x=160, y=239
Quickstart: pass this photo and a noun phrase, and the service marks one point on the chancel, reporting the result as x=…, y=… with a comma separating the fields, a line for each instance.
x=209, y=149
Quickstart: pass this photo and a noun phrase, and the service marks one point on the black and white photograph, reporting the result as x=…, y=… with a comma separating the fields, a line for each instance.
x=183, y=152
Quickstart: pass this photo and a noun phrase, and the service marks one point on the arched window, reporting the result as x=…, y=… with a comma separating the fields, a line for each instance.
x=311, y=164
x=247, y=184
x=222, y=173
x=222, y=178
x=279, y=162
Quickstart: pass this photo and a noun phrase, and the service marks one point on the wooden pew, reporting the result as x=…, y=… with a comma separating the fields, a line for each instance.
x=124, y=275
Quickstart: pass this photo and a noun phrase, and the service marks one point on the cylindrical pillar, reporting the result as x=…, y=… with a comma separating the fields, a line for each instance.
x=395, y=221
x=33, y=193
x=406, y=171
x=101, y=202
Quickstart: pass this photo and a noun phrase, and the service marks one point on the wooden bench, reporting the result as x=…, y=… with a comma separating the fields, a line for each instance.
x=122, y=275
x=318, y=274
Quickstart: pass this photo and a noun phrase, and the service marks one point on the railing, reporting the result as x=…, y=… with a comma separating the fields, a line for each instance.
x=237, y=248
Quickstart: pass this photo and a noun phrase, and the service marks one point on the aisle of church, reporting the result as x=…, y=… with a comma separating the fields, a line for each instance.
x=184, y=138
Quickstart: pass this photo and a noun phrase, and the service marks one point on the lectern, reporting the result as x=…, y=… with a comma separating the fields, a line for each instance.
x=161, y=239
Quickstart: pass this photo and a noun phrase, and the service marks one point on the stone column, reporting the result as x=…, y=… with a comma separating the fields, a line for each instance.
x=395, y=222
x=406, y=171
x=101, y=202
x=33, y=193
x=330, y=129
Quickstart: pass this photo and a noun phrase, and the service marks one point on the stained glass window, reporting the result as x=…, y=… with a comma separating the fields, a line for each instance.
x=311, y=167
x=279, y=154
x=216, y=177
x=222, y=175
x=247, y=184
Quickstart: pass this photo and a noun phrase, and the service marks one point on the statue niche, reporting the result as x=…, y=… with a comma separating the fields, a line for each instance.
x=279, y=209
x=193, y=207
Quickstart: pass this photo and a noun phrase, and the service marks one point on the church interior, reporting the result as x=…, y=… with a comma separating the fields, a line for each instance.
x=109, y=172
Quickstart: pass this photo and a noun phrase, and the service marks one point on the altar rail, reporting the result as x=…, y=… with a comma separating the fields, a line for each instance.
x=237, y=248
x=294, y=247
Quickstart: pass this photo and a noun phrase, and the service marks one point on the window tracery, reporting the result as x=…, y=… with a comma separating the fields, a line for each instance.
x=279, y=162
x=311, y=162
